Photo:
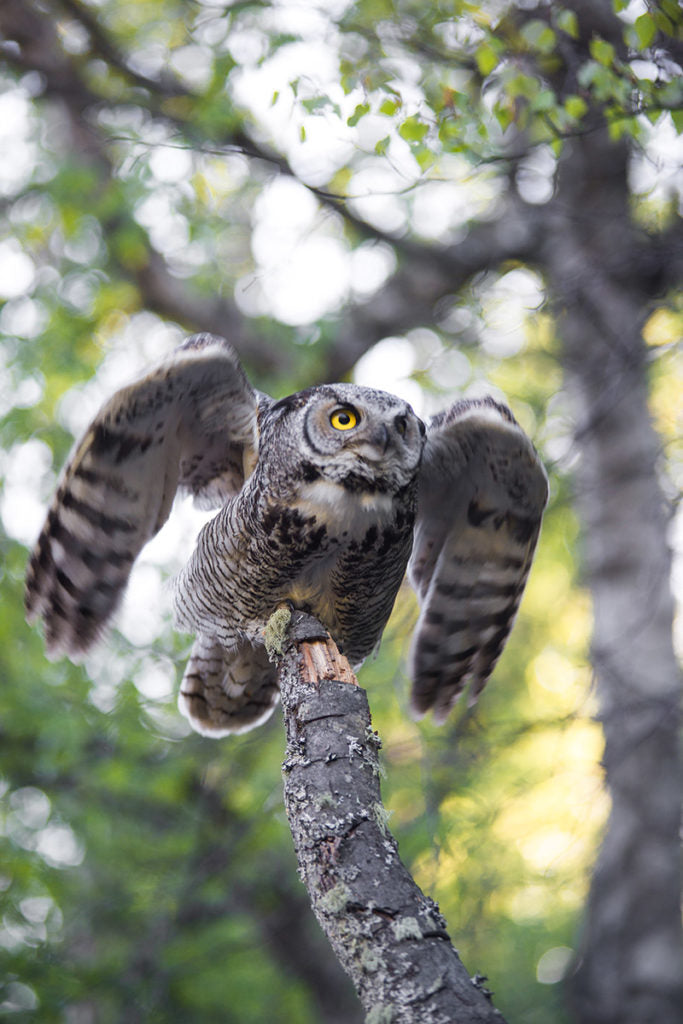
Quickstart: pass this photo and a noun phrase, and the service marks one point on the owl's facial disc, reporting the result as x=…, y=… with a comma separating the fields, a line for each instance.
x=360, y=430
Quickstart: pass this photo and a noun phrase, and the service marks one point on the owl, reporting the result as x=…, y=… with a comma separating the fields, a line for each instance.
x=324, y=499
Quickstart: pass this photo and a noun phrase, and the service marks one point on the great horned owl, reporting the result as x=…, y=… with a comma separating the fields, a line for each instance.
x=322, y=495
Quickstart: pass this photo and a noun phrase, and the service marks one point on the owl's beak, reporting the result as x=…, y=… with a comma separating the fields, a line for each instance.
x=379, y=438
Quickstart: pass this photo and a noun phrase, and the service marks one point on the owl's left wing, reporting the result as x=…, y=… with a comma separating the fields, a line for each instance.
x=189, y=424
x=482, y=491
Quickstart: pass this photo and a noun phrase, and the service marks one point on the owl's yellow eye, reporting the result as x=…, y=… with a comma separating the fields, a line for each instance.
x=344, y=419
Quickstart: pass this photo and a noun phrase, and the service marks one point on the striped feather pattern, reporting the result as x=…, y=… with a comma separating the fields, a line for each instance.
x=482, y=490
x=226, y=692
x=191, y=423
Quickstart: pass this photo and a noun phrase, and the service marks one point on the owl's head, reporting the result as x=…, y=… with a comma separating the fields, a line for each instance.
x=359, y=437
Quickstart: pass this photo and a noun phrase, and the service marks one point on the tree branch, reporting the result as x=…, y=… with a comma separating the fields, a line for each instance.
x=389, y=937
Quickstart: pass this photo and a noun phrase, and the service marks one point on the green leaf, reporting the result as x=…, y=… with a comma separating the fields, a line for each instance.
x=523, y=85
x=539, y=36
x=602, y=51
x=664, y=23
x=382, y=145
x=360, y=111
x=389, y=107
x=348, y=81
x=672, y=93
x=450, y=134
x=677, y=118
x=486, y=58
x=424, y=157
x=575, y=106
x=340, y=181
x=545, y=100
x=672, y=10
x=599, y=78
x=315, y=103
x=567, y=22
x=622, y=126
x=503, y=115
x=413, y=129
x=646, y=30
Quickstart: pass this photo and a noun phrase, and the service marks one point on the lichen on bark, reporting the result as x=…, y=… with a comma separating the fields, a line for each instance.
x=389, y=937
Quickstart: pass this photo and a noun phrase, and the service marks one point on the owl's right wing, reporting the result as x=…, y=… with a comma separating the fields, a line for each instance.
x=189, y=424
x=482, y=491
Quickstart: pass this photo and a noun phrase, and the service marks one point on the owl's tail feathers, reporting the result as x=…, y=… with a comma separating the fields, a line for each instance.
x=225, y=692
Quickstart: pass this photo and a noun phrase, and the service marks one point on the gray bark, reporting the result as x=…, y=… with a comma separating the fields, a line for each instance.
x=389, y=937
x=630, y=968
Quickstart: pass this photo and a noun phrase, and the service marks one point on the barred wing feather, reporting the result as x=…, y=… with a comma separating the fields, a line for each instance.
x=482, y=490
x=188, y=424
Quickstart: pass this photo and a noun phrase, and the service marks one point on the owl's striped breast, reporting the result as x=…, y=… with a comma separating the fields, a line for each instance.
x=314, y=550
x=351, y=588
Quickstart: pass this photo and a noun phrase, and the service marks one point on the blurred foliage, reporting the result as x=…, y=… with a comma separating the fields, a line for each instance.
x=147, y=873
x=516, y=61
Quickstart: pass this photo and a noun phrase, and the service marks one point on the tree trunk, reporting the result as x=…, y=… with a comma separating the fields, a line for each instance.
x=388, y=936
x=630, y=968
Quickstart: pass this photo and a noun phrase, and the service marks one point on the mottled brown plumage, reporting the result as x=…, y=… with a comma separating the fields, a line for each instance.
x=321, y=495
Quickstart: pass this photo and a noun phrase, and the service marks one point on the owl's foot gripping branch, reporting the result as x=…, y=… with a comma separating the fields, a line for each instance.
x=389, y=937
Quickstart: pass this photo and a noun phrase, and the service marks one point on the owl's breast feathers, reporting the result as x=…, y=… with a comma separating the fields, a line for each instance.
x=347, y=509
x=313, y=544
x=355, y=548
